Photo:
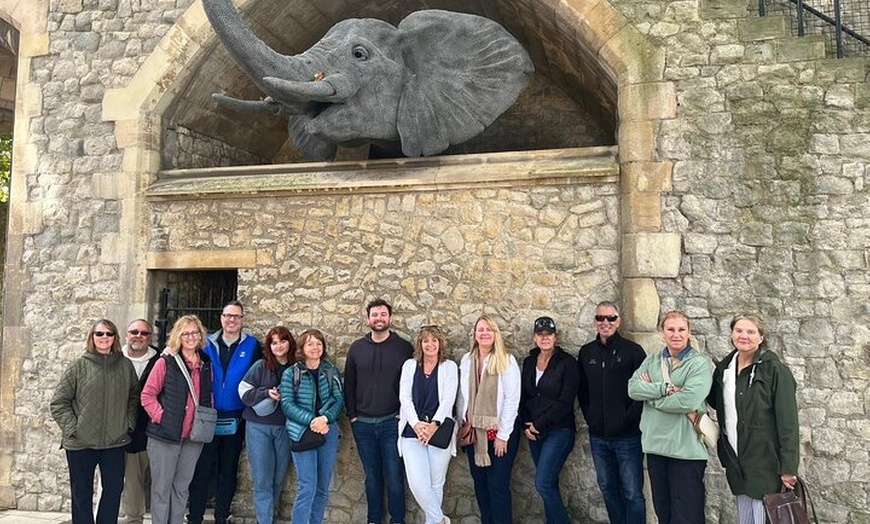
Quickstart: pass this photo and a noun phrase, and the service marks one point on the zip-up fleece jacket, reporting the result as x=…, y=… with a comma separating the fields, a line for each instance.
x=138, y=439
x=767, y=425
x=549, y=404
x=96, y=401
x=255, y=387
x=604, y=370
x=371, y=375
x=665, y=428
x=226, y=381
x=298, y=404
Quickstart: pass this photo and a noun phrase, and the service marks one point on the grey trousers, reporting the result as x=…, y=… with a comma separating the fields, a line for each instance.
x=172, y=467
x=133, y=497
x=750, y=510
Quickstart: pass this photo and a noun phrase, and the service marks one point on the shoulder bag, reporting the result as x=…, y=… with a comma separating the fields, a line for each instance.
x=204, y=417
x=706, y=428
x=786, y=508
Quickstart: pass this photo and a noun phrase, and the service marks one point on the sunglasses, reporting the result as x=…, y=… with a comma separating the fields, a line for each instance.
x=104, y=333
x=609, y=318
x=137, y=332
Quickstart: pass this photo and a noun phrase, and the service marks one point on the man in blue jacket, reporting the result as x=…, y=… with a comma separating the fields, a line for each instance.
x=232, y=353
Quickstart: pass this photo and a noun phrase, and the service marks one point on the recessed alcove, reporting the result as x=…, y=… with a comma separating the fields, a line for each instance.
x=570, y=101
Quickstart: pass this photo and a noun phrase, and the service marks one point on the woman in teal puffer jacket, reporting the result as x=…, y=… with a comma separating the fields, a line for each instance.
x=312, y=400
x=95, y=404
x=754, y=396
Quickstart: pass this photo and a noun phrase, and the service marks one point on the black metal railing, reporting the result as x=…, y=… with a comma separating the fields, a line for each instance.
x=844, y=23
x=203, y=294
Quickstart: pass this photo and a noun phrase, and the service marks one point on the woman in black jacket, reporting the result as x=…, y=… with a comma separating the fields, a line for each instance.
x=549, y=384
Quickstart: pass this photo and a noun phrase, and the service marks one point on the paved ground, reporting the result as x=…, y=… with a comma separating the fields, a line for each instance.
x=14, y=516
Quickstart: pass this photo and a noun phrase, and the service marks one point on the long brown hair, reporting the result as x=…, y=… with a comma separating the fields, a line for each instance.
x=90, y=347
x=278, y=333
x=430, y=331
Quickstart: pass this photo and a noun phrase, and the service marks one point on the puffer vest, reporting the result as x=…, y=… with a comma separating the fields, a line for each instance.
x=173, y=398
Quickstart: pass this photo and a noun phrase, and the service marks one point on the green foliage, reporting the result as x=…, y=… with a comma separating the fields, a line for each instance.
x=5, y=165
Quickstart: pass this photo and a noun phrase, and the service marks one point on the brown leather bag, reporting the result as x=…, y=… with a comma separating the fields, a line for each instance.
x=786, y=508
x=467, y=435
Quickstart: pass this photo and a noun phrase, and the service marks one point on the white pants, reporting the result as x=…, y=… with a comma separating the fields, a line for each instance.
x=750, y=510
x=426, y=469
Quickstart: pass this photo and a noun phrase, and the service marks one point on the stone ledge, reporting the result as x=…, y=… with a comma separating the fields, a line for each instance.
x=491, y=170
x=192, y=260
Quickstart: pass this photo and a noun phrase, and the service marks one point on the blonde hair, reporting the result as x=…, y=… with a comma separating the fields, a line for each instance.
x=434, y=332
x=499, y=360
x=174, y=344
x=676, y=313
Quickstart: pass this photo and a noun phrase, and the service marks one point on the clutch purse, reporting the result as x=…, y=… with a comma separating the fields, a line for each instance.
x=443, y=435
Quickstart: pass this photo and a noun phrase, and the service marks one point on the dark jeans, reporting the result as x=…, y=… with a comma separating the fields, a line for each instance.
x=677, y=489
x=82, y=466
x=221, y=455
x=619, y=468
x=492, y=485
x=549, y=454
x=379, y=453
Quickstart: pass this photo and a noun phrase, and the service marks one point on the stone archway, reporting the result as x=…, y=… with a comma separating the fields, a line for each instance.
x=630, y=62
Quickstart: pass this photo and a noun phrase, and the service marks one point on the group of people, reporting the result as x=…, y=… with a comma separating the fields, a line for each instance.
x=411, y=409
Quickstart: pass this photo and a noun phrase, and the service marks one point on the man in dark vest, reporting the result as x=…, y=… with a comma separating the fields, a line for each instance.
x=232, y=353
x=143, y=357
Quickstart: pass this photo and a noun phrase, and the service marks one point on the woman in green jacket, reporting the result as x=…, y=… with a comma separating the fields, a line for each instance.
x=754, y=396
x=95, y=404
x=312, y=400
x=673, y=384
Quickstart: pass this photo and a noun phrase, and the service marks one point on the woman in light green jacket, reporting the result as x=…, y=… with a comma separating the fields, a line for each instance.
x=674, y=383
x=95, y=404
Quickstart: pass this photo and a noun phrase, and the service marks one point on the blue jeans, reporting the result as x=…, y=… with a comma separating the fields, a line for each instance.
x=619, y=468
x=82, y=467
x=269, y=454
x=379, y=453
x=492, y=484
x=549, y=455
x=219, y=458
x=313, y=473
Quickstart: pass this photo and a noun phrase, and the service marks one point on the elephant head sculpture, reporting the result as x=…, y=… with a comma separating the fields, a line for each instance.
x=437, y=79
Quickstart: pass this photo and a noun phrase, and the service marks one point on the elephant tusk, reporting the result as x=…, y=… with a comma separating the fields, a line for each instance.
x=332, y=88
x=318, y=76
x=267, y=106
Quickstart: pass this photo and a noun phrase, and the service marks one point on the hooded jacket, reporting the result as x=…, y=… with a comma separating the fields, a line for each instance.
x=767, y=425
x=549, y=404
x=96, y=401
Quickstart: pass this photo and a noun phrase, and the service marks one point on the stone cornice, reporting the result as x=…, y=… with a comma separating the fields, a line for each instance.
x=524, y=168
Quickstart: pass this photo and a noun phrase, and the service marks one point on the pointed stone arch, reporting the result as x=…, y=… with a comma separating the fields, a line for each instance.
x=635, y=69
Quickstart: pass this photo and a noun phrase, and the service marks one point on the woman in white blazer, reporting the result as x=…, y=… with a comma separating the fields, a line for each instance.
x=489, y=400
x=427, y=392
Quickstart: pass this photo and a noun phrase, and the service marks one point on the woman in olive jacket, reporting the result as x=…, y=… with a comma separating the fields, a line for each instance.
x=95, y=404
x=754, y=395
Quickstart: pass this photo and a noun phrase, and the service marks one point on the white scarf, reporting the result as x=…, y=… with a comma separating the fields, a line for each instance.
x=729, y=393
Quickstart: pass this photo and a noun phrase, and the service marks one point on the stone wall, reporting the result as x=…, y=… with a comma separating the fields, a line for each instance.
x=744, y=170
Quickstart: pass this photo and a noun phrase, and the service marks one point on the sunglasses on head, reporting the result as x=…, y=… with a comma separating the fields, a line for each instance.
x=104, y=333
x=137, y=332
x=609, y=318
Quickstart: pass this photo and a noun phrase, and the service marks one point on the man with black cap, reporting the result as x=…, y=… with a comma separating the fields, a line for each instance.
x=604, y=366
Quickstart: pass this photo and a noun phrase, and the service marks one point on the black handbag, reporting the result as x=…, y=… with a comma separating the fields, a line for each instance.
x=786, y=508
x=309, y=440
x=443, y=435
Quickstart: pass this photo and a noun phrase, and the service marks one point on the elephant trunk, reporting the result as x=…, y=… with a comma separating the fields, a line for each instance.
x=251, y=54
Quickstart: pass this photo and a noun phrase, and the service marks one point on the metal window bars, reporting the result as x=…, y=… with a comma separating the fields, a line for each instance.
x=844, y=23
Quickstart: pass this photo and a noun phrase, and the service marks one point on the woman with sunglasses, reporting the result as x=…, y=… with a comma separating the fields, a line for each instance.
x=427, y=392
x=489, y=402
x=169, y=402
x=759, y=441
x=549, y=385
x=265, y=436
x=95, y=405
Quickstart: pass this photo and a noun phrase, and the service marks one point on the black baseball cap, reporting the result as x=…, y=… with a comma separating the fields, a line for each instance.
x=545, y=324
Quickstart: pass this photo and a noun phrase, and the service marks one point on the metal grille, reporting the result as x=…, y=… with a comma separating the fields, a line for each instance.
x=200, y=293
x=820, y=17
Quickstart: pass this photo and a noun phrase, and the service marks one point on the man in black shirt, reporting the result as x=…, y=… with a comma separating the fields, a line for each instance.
x=604, y=366
x=371, y=383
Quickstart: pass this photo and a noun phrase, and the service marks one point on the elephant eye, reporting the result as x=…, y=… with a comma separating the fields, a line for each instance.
x=360, y=52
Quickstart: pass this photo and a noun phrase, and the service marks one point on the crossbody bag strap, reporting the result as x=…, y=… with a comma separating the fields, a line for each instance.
x=666, y=376
x=180, y=362
x=805, y=496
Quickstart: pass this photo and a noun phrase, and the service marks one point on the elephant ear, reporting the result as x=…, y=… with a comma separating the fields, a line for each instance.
x=464, y=71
